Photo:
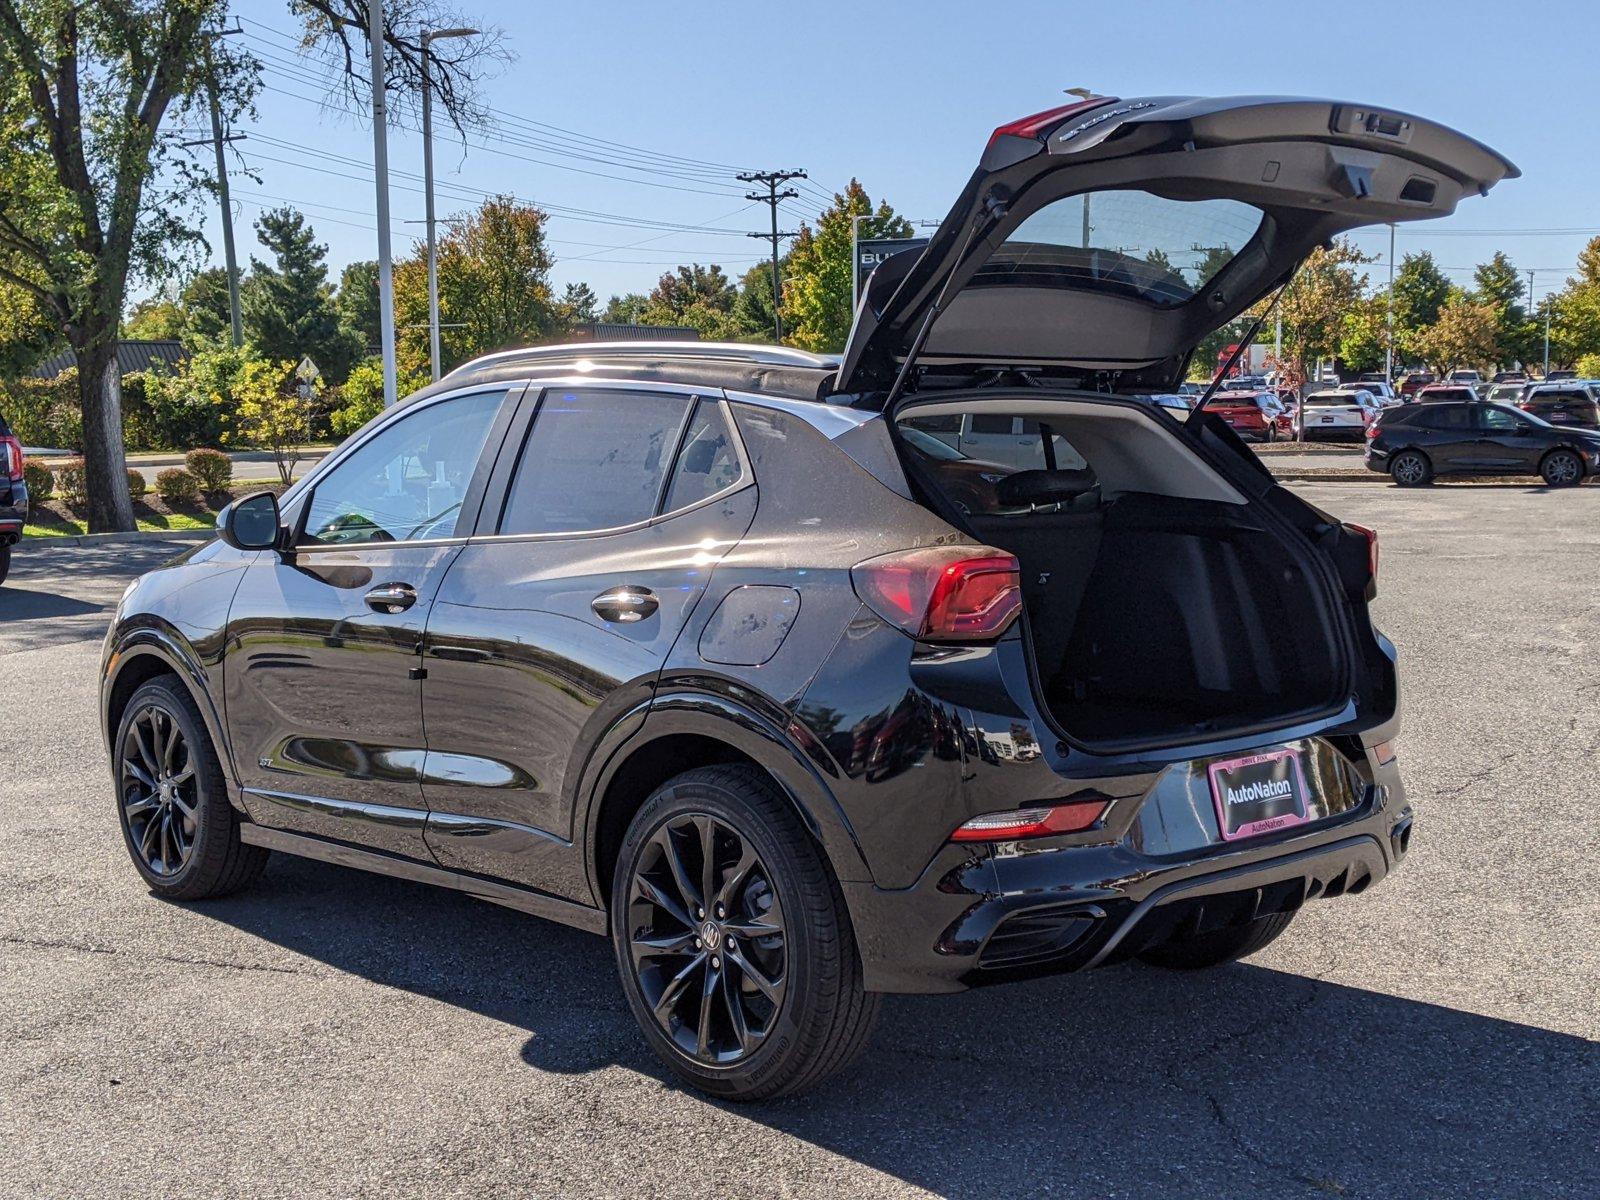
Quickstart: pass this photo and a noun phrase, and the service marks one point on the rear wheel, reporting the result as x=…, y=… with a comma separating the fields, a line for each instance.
x=172, y=800
x=1218, y=945
x=1411, y=468
x=1561, y=468
x=732, y=940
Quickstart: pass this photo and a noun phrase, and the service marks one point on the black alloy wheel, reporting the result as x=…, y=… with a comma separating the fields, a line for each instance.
x=1411, y=469
x=708, y=938
x=732, y=939
x=156, y=781
x=1561, y=468
x=172, y=798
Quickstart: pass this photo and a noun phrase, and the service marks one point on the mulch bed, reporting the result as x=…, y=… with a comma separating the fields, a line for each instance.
x=57, y=515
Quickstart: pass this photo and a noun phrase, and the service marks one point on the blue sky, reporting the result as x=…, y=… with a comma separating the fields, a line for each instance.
x=903, y=95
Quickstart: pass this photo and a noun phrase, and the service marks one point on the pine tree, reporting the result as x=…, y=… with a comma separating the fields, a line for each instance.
x=289, y=310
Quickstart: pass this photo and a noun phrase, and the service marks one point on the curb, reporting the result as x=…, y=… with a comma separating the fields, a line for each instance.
x=51, y=541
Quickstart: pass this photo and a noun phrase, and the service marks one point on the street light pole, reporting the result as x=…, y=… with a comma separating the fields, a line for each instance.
x=380, y=169
x=429, y=36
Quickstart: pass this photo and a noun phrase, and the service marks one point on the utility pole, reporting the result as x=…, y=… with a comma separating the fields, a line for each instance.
x=429, y=36
x=772, y=196
x=218, y=141
x=1388, y=319
x=380, y=170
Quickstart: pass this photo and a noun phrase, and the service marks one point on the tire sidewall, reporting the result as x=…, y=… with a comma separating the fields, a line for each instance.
x=676, y=799
x=163, y=694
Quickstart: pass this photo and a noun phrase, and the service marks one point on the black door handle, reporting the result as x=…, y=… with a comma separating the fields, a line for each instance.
x=625, y=604
x=391, y=597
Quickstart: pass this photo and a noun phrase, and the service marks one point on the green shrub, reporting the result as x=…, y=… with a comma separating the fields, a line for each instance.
x=40, y=480
x=212, y=469
x=72, y=482
x=136, y=484
x=44, y=412
x=176, y=486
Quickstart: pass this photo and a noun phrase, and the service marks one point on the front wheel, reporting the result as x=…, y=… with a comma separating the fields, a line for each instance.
x=1218, y=945
x=735, y=950
x=1411, y=469
x=172, y=799
x=1561, y=468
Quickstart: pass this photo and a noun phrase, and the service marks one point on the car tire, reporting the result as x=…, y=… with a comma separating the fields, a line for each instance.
x=172, y=799
x=787, y=1009
x=1411, y=468
x=1217, y=946
x=5, y=562
x=1561, y=468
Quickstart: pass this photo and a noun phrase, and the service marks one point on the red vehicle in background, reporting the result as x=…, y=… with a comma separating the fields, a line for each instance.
x=1253, y=415
x=1413, y=382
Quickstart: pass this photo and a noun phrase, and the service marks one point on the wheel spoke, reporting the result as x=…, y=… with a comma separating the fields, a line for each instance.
x=139, y=730
x=752, y=930
x=173, y=743
x=690, y=897
x=772, y=989
x=734, y=1004
x=644, y=886
x=183, y=807
x=674, y=989
x=166, y=841
x=708, y=858
x=664, y=945
x=140, y=805
x=710, y=985
x=147, y=838
x=138, y=772
x=734, y=879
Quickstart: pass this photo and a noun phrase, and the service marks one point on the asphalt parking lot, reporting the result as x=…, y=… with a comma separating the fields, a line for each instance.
x=333, y=1033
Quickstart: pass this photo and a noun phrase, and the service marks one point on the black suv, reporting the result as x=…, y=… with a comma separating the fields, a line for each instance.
x=692, y=645
x=1417, y=443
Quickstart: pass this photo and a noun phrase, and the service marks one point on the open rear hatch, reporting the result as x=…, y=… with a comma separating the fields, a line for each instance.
x=1102, y=241
x=1173, y=593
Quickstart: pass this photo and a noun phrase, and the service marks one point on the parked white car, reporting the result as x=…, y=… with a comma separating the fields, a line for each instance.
x=1385, y=393
x=1336, y=414
x=1007, y=440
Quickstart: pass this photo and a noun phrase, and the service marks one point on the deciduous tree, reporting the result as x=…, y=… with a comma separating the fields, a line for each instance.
x=1420, y=290
x=1465, y=335
x=817, y=281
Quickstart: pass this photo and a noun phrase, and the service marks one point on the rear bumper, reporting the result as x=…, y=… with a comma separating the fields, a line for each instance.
x=1015, y=912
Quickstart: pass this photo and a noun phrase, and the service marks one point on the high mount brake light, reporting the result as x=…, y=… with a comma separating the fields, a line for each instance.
x=1040, y=821
x=1372, y=544
x=1038, y=123
x=943, y=593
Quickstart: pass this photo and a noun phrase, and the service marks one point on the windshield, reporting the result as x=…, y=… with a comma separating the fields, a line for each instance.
x=1142, y=245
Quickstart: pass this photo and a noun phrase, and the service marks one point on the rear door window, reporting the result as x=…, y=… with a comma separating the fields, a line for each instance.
x=594, y=459
x=708, y=461
x=1446, y=417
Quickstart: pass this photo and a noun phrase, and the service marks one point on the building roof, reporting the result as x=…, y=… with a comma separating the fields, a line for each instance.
x=133, y=355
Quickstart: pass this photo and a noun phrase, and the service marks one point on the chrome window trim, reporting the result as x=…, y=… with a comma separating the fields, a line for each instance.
x=712, y=395
x=307, y=483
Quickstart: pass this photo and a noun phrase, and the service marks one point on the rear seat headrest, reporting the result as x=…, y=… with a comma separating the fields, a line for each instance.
x=1078, y=486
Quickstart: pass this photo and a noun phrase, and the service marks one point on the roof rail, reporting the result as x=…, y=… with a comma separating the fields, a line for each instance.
x=743, y=352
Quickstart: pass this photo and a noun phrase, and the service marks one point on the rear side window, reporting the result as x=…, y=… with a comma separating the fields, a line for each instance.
x=1450, y=417
x=594, y=459
x=707, y=461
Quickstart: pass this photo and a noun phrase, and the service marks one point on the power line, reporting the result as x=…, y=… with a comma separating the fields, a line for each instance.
x=771, y=180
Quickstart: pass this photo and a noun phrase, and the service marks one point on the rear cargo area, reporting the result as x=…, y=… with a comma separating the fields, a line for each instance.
x=1161, y=604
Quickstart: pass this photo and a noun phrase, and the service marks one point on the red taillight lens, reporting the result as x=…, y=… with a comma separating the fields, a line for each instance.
x=1372, y=544
x=10, y=458
x=1031, y=822
x=943, y=594
x=1372, y=430
x=1032, y=127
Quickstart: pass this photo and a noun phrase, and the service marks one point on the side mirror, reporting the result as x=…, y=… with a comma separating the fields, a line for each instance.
x=251, y=522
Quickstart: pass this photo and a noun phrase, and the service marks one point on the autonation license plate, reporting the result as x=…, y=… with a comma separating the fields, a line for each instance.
x=1258, y=793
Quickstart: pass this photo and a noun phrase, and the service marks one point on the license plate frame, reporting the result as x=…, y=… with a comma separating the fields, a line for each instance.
x=1259, y=793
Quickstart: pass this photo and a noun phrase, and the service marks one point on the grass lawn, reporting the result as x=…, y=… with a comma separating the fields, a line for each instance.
x=42, y=522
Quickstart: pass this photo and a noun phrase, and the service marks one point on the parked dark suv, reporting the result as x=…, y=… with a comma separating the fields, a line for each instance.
x=690, y=644
x=1418, y=443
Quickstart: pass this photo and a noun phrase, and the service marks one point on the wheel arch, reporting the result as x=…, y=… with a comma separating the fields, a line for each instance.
x=684, y=731
x=1565, y=448
x=146, y=654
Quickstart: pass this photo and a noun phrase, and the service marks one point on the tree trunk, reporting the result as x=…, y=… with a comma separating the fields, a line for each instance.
x=105, y=462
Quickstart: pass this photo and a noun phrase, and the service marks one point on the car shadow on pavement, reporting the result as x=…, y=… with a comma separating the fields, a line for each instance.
x=1128, y=1080
x=21, y=604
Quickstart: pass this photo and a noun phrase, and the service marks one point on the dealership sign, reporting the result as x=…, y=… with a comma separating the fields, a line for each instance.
x=872, y=251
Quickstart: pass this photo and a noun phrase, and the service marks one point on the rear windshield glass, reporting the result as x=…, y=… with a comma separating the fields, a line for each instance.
x=1330, y=399
x=1130, y=242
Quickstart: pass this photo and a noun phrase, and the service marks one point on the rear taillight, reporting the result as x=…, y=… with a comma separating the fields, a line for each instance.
x=1032, y=127
x=943, y=594
x=10, y=458
x=1372, y=430
x=1031, y=822
x=1372, y=544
